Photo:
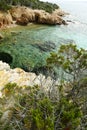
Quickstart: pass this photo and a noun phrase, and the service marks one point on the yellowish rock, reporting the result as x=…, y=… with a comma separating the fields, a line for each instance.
x=22, y=78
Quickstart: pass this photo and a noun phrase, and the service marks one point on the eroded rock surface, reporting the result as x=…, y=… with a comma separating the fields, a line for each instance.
x=5, y=19
x=19, y=76
x=24, y=15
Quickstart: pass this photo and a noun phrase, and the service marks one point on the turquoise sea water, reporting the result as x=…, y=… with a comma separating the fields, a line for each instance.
x=78, y=15
x=76, y=8
x=30, y=45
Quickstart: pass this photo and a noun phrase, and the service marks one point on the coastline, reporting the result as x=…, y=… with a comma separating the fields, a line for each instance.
x=21, y=15
x=42, y=70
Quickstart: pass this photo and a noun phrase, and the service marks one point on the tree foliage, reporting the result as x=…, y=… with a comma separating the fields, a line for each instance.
x=73, y=63
x=71, y=59
x=35, y=4
x=30, y=108
x=62, y=107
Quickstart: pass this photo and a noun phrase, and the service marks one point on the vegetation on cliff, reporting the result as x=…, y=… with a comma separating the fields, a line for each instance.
x=73, y=64
x=31, y=108
x=23, y=12
x=34, y=4
x=61, y=107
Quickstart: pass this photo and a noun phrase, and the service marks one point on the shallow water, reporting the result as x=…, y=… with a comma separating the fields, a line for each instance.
x=22, y=42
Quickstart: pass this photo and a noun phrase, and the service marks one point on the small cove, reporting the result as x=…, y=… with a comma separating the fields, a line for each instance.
x=29, y=46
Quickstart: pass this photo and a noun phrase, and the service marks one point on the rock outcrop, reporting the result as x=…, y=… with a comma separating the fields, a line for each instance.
x=21, y=11
x=24, y=15
x=23, y=20
x=5, y=19
x=59, y=12
x=19, y=76
x=46, y=18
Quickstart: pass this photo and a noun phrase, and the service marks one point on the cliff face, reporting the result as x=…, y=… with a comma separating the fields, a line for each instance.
x=19, y=76
x=5, y=19
x=23, y=15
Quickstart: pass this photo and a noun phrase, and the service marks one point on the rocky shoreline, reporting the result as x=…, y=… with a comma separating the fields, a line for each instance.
x=23, y=15
x=22, y=78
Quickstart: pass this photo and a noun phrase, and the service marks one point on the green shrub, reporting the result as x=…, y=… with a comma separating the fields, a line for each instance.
x=33, y=109
x=35, y=4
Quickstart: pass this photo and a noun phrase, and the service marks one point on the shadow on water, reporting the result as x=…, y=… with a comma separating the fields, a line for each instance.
x=5, y=57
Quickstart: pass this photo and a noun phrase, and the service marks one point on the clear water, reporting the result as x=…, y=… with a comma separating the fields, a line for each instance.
x=76, y=8
x=22, y=45
x=78, y=16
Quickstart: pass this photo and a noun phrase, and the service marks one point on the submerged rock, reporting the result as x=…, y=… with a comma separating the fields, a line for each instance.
x=47, y=46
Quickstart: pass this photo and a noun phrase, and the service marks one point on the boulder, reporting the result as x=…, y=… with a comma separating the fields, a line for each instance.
x=64, y=22
x=22, y=20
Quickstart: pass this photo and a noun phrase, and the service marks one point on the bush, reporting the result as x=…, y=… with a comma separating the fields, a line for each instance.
x=30, y=108
x=4, y=6
x=35, y=4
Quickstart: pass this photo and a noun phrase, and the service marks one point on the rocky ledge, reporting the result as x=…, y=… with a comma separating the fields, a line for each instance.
x=5, y=19
x=21, y=78
x=23, y=15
